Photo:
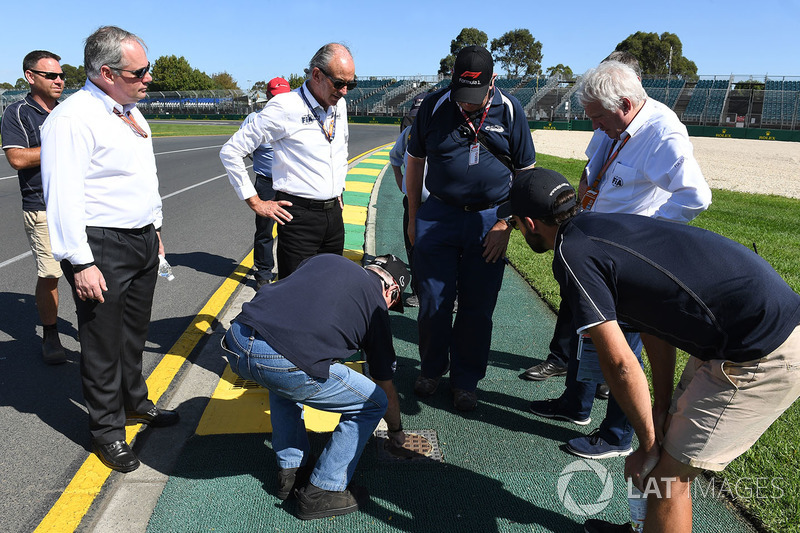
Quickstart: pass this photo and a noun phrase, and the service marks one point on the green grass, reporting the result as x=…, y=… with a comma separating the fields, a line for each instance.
x=166, y=129
x=773, y=224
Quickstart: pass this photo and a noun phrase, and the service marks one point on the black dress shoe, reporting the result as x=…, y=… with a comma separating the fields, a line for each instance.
x=547, y=369
x=602, y=392
x=155, y=417
x=117, y=456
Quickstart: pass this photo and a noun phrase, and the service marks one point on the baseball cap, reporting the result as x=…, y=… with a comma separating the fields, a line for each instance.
x=472, y=75
x=392, y=265
x=278, y=86
x=533, y=193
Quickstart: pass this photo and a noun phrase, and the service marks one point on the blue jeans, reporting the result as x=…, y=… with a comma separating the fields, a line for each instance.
x=448, y=255
x=355, y=397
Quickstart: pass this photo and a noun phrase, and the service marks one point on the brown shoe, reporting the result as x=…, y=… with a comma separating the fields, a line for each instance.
x=424, y=387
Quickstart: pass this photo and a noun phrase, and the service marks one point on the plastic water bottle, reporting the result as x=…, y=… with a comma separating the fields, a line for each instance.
x=637, y=502
x=164, y=269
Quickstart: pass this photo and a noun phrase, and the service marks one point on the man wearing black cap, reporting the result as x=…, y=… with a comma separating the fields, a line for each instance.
x=707, y=295
x=291, y=337
x=473, y=137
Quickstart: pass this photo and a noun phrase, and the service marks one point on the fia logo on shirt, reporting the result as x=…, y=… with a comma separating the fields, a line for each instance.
x=308, y=119
x=616, y=181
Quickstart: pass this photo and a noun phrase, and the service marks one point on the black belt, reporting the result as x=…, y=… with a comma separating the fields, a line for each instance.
x=129, y=231
x=314, y=205
x=263, y=177
x=471, y=208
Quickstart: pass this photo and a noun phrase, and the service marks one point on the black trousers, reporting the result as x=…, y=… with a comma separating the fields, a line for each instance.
x=113, y=333
x=263, y=259
x=311, y=231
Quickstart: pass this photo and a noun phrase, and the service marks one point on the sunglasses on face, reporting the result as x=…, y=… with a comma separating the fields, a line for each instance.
x=138, y=73
x=50, y=75
x=340, y=84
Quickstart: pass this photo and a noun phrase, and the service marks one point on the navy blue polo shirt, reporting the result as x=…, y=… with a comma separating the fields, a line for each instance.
x=702, y=292
x=328, y=309
x=440, y=134
x=22, y=122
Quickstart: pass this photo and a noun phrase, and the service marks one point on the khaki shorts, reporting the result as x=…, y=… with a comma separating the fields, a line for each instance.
x=39, y=239
x=720, y=408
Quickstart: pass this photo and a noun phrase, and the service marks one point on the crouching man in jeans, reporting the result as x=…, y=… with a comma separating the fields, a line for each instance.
x=291, y=337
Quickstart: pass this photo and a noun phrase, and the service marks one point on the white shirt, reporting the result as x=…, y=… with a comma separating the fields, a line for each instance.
x=398, y=156
x=655, y=174
x=304, y=163
x=96, y=171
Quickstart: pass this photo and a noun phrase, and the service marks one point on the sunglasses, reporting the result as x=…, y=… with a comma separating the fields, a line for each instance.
x=138, y=73
x=340, y=84
x=50, y=75
x=513, y=223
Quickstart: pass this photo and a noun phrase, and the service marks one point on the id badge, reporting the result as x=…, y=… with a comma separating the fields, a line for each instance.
x=589, y=362
x=474, y=153
x=588, y=199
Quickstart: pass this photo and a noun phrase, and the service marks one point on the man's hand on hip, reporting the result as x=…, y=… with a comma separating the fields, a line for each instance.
x=270, y=209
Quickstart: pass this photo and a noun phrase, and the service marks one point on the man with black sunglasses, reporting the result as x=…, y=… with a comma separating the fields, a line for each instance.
x=22, y=121
x=308, y=131
x=104, y=215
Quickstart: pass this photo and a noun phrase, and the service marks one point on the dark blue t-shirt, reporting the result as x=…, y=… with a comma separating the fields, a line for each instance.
x=702, y=292
x=22, y=122
x=328, y=309
x=441, y=134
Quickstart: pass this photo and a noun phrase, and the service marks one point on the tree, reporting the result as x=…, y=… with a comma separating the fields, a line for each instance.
x=653, y=52
x=223, y=80
x=6, y=85
x=76, y=76
x=171, y=73
x=564, y=71
x=467, y=37
x=21, y=84
x=518, y=53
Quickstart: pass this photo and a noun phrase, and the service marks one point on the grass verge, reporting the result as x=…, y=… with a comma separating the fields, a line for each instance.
x=166, y=129
x=764, y=480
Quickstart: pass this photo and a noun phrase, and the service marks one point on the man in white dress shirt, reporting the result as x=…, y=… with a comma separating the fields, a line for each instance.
x=104, y=217
x=307, y=128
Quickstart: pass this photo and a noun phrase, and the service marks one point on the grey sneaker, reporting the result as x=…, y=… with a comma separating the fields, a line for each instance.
x=315, y=502
x=52, y=351
x=425, y=386
x=412, y=301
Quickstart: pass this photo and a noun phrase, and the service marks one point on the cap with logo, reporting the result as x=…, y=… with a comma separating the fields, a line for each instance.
x=278, y=86
x=392, y=265
x=534, y=193
x=472, y=75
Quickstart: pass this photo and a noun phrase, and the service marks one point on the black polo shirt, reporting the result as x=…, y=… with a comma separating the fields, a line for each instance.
x=328, y=309
x=702, y=292
x=22, y=122
x=441, y=134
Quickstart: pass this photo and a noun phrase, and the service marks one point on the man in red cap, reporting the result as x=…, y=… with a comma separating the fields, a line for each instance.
x=263, y=258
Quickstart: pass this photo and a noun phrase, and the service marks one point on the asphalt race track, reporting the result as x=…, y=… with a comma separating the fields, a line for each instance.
x=43, y=425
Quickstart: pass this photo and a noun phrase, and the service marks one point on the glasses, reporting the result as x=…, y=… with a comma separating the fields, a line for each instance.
x=394, y=288
x=50, y=75
x=138, y=73
x=341, y=84
x=513, y=223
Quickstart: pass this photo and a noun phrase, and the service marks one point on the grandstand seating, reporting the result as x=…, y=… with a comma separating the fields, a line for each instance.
x=657, y=90
x=707, y=101
x=781, y=102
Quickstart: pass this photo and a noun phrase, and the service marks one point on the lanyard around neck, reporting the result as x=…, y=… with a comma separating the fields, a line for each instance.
x=483, y=118
x=329, y=133
x=130, y=121
x=590, y=195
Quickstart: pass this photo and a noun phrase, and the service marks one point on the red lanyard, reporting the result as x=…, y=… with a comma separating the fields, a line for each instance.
x=129, y=120
x=469, y=122
x=589, y=197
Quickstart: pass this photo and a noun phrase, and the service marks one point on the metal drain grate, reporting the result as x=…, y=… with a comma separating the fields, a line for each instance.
x=241, y=383
x=421, y=445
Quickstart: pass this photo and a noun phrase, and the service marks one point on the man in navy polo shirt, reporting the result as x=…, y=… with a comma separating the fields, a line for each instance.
x=22, y=121
x=680, y=286
x=472, y=135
